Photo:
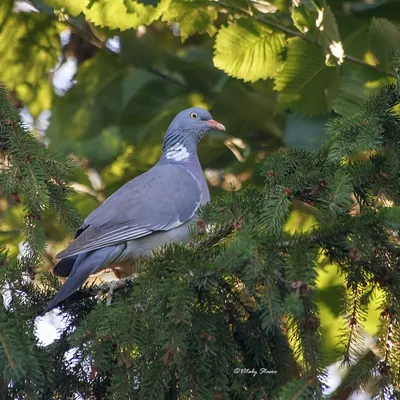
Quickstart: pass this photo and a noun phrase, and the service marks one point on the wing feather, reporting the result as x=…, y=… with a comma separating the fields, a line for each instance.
x=158, y=200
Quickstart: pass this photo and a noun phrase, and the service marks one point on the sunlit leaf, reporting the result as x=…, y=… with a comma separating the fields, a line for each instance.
x=320, y=23
x=123, y=14
x=5, y=8
x=306, y=83
x=29, y=48
x=384, y=40
x=304, y=17
x=192, y=16
x=330, y=38
x=71, y=7
x=249, y=50
x=263, y=6
x=92, y=104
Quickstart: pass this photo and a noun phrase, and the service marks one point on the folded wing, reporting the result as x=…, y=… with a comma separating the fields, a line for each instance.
x=159, y=200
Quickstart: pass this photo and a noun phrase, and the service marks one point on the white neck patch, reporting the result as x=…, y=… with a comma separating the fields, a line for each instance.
x=177, y=152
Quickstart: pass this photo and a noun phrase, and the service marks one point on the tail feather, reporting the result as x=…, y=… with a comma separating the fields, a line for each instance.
x=64, y=267
x=85, y=265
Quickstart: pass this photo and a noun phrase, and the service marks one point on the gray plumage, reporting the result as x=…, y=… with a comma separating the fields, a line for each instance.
x=151, y=210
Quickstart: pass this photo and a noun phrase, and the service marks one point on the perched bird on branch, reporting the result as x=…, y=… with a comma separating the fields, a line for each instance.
x=150, y=211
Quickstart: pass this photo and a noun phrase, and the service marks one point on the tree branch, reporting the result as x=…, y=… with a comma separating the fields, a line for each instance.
x=6, y=352
x=306, y=38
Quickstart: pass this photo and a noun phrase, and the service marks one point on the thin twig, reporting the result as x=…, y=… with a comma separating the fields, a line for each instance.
x=6, y=352
x=12, y=232
x=78, y=187
x=365, y=64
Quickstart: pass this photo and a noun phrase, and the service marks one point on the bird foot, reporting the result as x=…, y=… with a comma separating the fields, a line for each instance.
x=109, y=287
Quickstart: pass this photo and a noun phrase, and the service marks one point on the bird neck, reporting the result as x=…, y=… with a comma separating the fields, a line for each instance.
x=178, y=147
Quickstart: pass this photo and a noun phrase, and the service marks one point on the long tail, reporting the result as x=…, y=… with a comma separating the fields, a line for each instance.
x=64, y=267
x=85, y=265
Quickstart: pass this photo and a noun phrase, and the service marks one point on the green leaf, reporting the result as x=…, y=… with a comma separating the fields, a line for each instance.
x=330, y=37
x=113, y=102
x=91, y=105
x=329, y=24
x=384, y=40
x=351, y=96
x=249, y=50
x=29, y=48
x=123, y=14
x=5, y=9
x=192, y=16
x=306, y=83
x=191, y=69
x=102, y=148
x=264, y=7
x=304, y=16
x=71, y=7
x=114, y=14
x=319, y=24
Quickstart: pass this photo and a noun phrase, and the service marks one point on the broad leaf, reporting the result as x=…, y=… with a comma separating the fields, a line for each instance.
x=384, y=40
x=191, y=68
x=328, y=24
x=249, y=50
x=91, y=105
x=29, y=48
x=5, y=9
x=320, y=24
x=306, y=83
x=123, y=14
x=192, y=16
x=71, y=7
x=112, y=102
x=330, y=36
x=351, y=96
x=304, y=16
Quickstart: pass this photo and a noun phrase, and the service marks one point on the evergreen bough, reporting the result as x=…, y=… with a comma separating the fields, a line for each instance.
x=199, y=319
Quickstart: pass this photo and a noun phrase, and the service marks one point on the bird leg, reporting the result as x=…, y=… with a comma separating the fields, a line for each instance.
x=110, y=287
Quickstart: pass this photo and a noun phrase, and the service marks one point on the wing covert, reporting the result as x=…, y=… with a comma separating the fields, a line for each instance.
x=161, y=199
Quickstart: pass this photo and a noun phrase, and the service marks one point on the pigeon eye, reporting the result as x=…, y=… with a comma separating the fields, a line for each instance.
x=193, y=115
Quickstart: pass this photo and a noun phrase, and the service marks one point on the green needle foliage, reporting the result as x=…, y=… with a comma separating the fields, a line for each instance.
x=36, y=179
x=233, y=314
x=240, y=312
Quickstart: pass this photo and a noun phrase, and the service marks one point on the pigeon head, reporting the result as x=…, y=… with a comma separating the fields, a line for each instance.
x=185, y=131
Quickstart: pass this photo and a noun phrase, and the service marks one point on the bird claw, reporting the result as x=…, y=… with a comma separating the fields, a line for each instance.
x=113, y=285
x=109, y=287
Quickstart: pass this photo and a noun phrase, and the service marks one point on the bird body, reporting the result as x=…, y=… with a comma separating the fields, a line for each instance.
x=151, y=210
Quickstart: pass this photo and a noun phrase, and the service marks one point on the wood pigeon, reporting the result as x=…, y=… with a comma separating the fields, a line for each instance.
x=151, y=210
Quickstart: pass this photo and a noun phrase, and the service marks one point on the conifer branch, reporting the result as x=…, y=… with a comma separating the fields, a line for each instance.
x=11, y=363
x=354, y=338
